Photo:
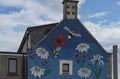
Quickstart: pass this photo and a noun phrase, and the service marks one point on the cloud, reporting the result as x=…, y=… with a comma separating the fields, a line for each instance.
x=102, y=21
x=81, y=2
x=107, y=35
x=35, y=12
x=9, y=3
x=97, y=15
x=118, y=3
x=31, y=13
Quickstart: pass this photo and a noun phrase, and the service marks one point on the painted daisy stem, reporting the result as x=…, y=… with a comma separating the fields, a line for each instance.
x=81, y=62
x=35, y=62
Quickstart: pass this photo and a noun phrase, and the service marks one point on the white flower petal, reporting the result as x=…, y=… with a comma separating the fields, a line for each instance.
x=37, y=71
x=82, y=47
x=84, y=73
x=42, y=53
x=97, y=59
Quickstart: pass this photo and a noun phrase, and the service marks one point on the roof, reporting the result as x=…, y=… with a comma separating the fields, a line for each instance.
x=76, y=1
x=8, y=52
x=47, y=27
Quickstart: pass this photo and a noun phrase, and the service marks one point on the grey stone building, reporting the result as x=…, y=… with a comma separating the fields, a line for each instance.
x=11, y=65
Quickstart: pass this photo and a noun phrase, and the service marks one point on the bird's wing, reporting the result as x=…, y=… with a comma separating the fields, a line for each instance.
x=66, y=28
x=77, y=35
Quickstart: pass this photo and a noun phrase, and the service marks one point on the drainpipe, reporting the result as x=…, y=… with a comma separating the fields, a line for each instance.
x=115, y=65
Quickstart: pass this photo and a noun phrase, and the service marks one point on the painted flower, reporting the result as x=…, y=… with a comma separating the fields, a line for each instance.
x=42, y=52
x=97, y=59
x=45, y=62
x=84, y=73
x=77, y=57
x=37, y=71
x=59, y=41
x=82, y=47
x=84, y=57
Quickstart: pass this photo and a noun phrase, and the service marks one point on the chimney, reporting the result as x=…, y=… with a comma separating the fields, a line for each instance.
x=115, y=65
x=70, y=9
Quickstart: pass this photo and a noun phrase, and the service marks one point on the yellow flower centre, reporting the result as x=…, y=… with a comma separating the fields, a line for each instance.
x=37, y=68
x=42, y=50
x=82, y=45
x=84, y=70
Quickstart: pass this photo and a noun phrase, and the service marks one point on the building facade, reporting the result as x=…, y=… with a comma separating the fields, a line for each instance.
x=69, y=51
x=64, y=50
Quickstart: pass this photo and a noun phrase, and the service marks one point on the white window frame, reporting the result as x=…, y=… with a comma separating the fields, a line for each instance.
x=61, y=66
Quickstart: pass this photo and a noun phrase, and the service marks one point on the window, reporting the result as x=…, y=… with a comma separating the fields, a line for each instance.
x=73, y=13
x=65, y=67
x=67, y=6
x=74, y=7
x=68, y=12
x=12, y=66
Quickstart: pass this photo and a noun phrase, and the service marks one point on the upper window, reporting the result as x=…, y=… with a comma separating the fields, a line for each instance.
x=73, y=13
x=65, y=67
x=12, y=65
x=67, y=6
x=74, y=7
x=68, y=12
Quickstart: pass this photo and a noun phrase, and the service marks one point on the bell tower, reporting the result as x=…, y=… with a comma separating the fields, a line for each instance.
x=70, y=9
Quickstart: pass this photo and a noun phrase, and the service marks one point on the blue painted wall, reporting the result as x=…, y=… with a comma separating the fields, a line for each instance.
x=89, y=55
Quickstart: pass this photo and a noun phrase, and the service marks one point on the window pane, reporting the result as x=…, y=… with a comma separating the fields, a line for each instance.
x=65, y=68
x=67, y=6
x=68, y=12
x=12, y=65
x=73, y=13
x=74, y=7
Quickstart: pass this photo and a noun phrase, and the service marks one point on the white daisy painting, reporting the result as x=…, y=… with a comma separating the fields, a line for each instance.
x=97, y=59
x=84, y=72
x=42, y=53
x=82, y=47
x=37, y=71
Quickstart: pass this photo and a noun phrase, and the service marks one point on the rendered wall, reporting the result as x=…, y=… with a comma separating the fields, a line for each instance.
x=68, y=41
x=4, y=67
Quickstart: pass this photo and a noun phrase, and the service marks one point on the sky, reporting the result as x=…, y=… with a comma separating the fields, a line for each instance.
x=100, y=17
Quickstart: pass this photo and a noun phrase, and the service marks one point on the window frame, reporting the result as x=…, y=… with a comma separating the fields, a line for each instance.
x=70, y=66
x=9, y=72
